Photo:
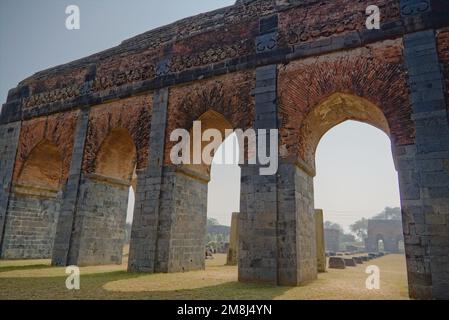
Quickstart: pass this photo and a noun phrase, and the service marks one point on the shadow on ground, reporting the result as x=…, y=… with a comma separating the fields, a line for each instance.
x=93, y=287
x=21, y=268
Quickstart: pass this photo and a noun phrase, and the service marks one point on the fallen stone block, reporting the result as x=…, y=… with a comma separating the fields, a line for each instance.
x=358, y=260
x=349, y=262
x=337, y=263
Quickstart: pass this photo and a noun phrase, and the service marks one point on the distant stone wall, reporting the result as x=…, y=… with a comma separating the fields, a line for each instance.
x=332, y=239
x=30, y=227
x=319, y=236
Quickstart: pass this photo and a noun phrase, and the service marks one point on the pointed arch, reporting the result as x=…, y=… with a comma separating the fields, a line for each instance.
x=43, y=167
x=210, y=119
x=331, y=111
x=117, y=156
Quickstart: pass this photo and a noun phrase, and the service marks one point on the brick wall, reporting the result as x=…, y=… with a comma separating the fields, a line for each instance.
x=443, y=54
x=59, y=129
x=375, y=73
x=132, y=114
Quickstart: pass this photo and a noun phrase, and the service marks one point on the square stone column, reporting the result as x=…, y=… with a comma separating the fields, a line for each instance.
x=424, y=172
x=319, y=236
x=9, y=138
x=231, y=259
x=63, y=237
x=276, y=221
x=170, y=214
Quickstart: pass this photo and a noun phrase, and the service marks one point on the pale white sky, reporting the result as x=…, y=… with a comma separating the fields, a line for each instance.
x=355, y=173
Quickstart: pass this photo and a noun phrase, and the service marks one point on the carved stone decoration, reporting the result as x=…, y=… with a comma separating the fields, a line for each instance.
x=414, y=7
x=266, y=42
x=212, y=55
x=124, y=77
x=163, y=67
x=52, y=96
x=294, y=31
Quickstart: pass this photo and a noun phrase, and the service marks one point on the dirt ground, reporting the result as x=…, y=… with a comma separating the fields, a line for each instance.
x=36, y=279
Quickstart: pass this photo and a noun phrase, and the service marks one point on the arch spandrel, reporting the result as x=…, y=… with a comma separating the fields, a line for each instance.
x=363, y=73
x=229, y=96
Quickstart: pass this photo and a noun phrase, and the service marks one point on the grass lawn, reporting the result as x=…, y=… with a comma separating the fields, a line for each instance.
x=35, y=279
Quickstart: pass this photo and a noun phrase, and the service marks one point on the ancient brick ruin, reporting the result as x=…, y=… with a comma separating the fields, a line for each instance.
x=388, y=231
x=74, y=138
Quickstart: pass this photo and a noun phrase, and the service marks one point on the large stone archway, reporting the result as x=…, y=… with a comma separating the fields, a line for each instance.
x=262, y=64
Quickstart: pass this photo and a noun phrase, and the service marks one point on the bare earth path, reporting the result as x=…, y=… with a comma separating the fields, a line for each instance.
x=35, y=279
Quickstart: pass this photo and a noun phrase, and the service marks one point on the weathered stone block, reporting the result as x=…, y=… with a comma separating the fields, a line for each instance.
x=350, y=262
x=337, y=263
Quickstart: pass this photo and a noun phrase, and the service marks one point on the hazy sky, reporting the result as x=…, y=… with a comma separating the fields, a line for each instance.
x=355, y=173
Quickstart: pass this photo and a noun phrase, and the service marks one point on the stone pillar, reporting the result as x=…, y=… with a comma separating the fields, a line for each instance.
x=182, y=221
x=231, y=259
x=169, y=224
x=319, y=236
x=296, y=224
x=146, y=222
x=276, y=227
x=62, y=244
x=258, y=247
x=9, y=138
x=30, y=223
x=98, y=233
x=332, y=239
x=424, y=173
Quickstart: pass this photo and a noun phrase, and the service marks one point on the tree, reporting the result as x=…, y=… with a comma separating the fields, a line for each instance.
x=360, y=228
x=333, y=225
x=347, y=237
x=389, y=214
x=212, y=222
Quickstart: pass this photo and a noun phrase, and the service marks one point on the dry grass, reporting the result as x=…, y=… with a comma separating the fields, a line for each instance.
x=35, y=279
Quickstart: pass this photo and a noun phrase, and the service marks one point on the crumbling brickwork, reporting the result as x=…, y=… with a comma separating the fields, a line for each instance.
x=132, y=114
x=375, y=73
x=58, y=129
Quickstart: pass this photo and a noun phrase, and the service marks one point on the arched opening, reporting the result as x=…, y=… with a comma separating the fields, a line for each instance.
x=104, y=207
x=209, y=120
x=209, y=204
x=33, y=206
x=355, y=172
x=129, y=218
x=223, y=204
x=332, y=111
x=380, y=247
